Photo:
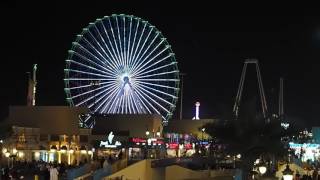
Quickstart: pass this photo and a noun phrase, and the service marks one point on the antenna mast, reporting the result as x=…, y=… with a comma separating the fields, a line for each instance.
x=281, y=108
x=32, y=83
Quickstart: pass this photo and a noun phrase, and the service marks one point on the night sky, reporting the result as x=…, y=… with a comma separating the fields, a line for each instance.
x=210, y=42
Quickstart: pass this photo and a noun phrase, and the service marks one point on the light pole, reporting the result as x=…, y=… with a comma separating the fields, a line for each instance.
x=181, y=100
x=287, y=173
x=202, y=131
x=147, y=141
x=7, y=155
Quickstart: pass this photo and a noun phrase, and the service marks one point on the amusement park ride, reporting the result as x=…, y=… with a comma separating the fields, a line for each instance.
x=264, y=107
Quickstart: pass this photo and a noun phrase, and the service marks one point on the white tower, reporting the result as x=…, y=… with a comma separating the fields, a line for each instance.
x=197, y=111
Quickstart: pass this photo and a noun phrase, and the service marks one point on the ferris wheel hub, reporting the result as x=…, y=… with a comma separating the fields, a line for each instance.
x=126, y=79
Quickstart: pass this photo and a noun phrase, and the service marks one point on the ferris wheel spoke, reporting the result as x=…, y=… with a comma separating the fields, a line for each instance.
x=144, y=43
x=120, y=107
x=113, y=59
x=131, y=108
x=82, y=56
x=142, y=62
x=126, y=105
x=138, y=44
x=122, y=104
x=85, y=50
x=114, y=107
x=101, y=56
x=104, y=70
x=142, y=96
x=110, y=43
x=124, y=42
x=133, y=43
x=91, y=98
x=136, y=103
x=145, y=106
x=158, y=74
x=86, y=92
x=154, y=57
x=88, y=73
x=142, y=105
x=129, y=39
x=144, y=70
x=115, y=42
x=157, y=85
x=119, y=37
x=100, y=46
x=114, y=99
x=139, y=61
x=95, y=96
x=111, y=100
x=174, y=80
x=149, y=92
x=87, y=85
x=89, y=79
x=87, y=118
x=102, y=99
x=87, y=42
x=88, y=67
x=152, y=99
x=109, y=97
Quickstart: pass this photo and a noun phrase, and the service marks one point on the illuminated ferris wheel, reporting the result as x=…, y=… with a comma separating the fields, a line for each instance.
x=121, y=64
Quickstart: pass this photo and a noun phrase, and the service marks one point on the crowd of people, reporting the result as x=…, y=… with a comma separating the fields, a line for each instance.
x=44, y=170
x=52, y=170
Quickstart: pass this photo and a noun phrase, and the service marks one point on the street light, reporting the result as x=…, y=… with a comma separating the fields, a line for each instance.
x=147, y=133
x=14, y=151
x=202, y=131
x=63, y=149
x=287, y=173
x=53, y=148
x=7, y=154
x=262, y=169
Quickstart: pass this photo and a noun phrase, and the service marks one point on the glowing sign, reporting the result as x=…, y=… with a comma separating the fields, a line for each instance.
x=149, y=141
x=176, y=146
x=108, y=143
x=285, y=125
x=138, y=140
x=305, y=145
x=306, y=151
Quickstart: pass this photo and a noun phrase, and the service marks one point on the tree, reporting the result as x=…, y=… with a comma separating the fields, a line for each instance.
x=252, y=138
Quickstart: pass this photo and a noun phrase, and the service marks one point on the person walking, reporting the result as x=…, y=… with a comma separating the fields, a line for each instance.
x=54, y=173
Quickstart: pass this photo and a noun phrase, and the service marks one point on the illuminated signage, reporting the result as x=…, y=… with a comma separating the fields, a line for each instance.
x=149, y=141
x=176, y=146
x=305, y=145
x=108, y=143
x=138, y=140
x=306, y=151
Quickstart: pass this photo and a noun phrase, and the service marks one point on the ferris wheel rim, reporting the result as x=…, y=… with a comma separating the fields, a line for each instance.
x=139, y=66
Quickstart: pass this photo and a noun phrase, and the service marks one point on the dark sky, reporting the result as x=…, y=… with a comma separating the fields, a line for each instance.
x=210, y=43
